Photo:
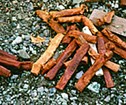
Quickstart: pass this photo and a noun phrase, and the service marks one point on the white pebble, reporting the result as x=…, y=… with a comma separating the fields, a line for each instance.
x=64, y=95
x=79, y=74
x=17, y=40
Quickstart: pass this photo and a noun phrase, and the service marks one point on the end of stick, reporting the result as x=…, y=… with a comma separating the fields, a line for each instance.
x=79, y=86
x=36, y=68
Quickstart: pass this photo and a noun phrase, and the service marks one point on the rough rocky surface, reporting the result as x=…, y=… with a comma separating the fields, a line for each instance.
x=17, y=23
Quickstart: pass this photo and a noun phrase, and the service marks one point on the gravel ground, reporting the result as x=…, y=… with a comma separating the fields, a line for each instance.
x=17, y=23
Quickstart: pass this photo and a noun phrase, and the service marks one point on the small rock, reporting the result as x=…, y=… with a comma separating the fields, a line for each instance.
x=34, y=93
x=18, y=26
x=73, y=98
x=40, y=89
x=14, y=76
x=77, y=1
x=64, y=95
x=99, y=72
x=13, y=24
x=61, y=7
x=14, y=19
x=30, y=6
x=73, y=92
x=52, y=90
x=107, y=99
x=23, y=54
x=45, y=1
x=25, y=86
x=33, y=51
x=17, y=40
x=79, y=74
x=95, y=87
x=121, y=62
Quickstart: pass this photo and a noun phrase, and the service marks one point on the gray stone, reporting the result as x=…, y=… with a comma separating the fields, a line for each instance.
x=107, y=99
x=33, y=51
x=17, y=40
x=73, y=98
x=52, y=90
x=14, y=19
x=45, y=1
x=25, y=86
x=77, y=1
x=30, y=6
x=61, y=7
x=94, y=86
x=40, y=89
x=14, y=76
x=34, y=93
x=23, y=54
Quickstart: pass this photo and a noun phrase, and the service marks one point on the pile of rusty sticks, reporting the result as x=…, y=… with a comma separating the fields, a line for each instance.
x=81, y=42
x=9, y=61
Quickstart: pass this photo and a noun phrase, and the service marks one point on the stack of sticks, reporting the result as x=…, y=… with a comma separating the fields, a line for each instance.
x=9, y=62
x=97, y=45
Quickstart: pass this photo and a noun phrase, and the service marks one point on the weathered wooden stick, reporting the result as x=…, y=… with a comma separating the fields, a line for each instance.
x=4, y=72
x=123, y=3
x=56, y=26
x=71, y=19
x=6, y=54
x=108, y=78
x=48, y=65
x=9, y=62
x=61, y=59
x=115, y=39
x=47, y=54
x=88, y=22
x=51, y=22
x=69, y=12
x=26, y=65
x=84, y=60
x=67, y=39
x=115, y=49
x=72, y=66
x=88, y=38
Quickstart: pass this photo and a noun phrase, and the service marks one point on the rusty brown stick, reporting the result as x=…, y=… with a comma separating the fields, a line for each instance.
x=61, y=59
x=123, y=3
x=88, y=38
x=71, y=19
x=115, y=39
x=116, y=49
x=4, y=72
x=87, y=22
x=84, y=60
x=58, y=28
x=9, y=62
x=108, y=78
x=6, y=54
x=48, y=65
x=69, y=12
x=67, y=39
x=51, y=22
x=72, y=66
x=26, y=65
